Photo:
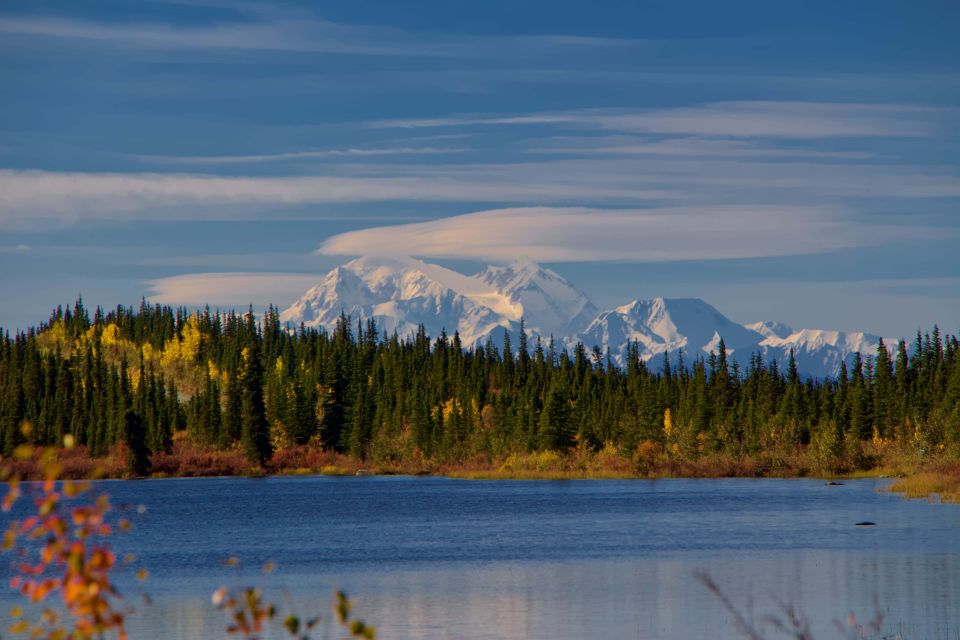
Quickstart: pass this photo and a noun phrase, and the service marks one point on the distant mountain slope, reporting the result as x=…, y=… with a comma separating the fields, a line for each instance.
x=667, y=325
x=819, y=353
x=550, y=304
x=402, y=293
x=770, y=329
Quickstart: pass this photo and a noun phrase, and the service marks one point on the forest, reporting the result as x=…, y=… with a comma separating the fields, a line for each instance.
x=137, y=380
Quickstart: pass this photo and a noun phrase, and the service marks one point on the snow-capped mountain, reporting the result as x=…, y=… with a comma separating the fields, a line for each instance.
x=770, y=329
x=820, y=353
x=402, y=293
x=551, y=305
x=665, y=326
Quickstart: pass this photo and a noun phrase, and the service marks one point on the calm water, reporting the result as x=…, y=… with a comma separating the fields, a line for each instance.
x=441, y=558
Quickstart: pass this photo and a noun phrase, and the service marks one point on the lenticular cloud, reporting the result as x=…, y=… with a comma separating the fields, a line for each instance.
x=584, y=234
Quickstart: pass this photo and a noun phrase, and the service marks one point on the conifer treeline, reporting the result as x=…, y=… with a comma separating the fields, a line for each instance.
x=229, y=380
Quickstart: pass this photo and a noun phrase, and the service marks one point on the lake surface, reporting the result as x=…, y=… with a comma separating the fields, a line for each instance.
x=443, y=558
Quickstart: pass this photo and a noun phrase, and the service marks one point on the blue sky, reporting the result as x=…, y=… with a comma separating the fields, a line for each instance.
x=795, y=161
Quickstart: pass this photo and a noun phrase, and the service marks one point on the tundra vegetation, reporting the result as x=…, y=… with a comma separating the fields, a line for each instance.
x=164, y=391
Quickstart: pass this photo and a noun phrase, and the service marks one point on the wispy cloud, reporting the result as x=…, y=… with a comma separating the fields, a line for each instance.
x=32, y=197
x=770, y=119
x=317, y=36
x=230, y=289
x=27, y=196
x=303, y=34
x=314, y=154
x=586, y=234
x=680, y=146
x=15, y=248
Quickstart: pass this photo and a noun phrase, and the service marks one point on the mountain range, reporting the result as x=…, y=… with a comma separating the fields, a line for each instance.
x=402, y=293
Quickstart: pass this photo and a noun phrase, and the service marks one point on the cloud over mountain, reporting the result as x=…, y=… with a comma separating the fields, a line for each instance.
x=578, y=234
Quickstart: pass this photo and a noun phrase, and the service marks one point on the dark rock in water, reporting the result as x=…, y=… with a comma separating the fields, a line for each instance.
x=834, y=484
x=865, y=523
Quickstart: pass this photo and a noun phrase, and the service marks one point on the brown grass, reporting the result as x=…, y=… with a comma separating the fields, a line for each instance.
x=76, y=465
x=939, y=479
x=918, y=478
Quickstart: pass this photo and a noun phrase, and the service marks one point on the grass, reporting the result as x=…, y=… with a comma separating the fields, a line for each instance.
x=916, y=477
x=940, y=479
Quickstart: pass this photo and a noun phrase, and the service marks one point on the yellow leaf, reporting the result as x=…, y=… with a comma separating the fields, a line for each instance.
x=9, y=539
x=19, y=627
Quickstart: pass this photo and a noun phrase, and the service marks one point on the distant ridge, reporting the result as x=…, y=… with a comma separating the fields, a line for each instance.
x=402, y=293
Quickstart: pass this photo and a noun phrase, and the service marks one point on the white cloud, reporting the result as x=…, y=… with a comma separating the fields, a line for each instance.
x=32, y=196
x=581, y=234
x=298, y=155
x=624, y=145
x=279, y=31
x=303, y=35
x=700, y=179
x=733, y=119
x=230, y=289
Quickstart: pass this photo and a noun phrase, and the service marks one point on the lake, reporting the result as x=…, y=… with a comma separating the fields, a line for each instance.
x=443, y=558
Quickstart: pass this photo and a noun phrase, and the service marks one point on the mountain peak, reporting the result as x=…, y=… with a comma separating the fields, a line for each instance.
x=770, y=329
x=367, y=263
x=525, y=265
x=401, y=293
x=551, y=305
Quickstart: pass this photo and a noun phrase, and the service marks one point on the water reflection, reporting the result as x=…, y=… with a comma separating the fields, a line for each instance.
x=641, y=598
x=444, y=559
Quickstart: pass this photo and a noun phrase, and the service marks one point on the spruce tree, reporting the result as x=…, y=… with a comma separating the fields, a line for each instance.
x=255, y=433
x=231, y=428
x=555, y=429
x=135, y=442
x=301, y=419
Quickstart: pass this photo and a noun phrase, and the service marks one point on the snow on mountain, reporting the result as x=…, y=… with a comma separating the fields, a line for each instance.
x=667, y=325
x=819, y=353
x=770, y=329
x=551, y=305
x=402, y=293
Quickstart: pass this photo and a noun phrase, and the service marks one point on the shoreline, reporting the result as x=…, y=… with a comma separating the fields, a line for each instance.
x=933, y=479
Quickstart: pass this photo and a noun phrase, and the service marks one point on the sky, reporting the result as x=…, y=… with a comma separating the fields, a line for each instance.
x=796, y=161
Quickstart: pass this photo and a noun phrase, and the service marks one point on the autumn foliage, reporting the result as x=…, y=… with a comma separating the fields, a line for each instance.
x=62, y=550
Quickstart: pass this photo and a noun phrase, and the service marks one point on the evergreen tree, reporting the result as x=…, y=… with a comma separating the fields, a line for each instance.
x=255, y=433
x=135, y=442
x=301, y=419
x=385, y=396
x=555, y=430
x=232, y=426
